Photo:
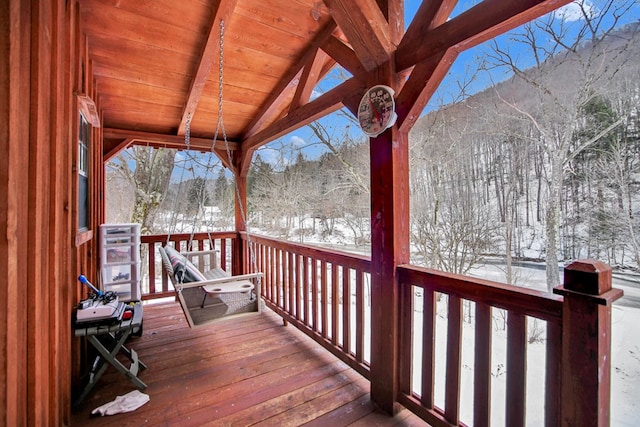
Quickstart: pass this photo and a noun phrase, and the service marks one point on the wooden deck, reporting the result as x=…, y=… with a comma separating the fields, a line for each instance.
x=247, y=371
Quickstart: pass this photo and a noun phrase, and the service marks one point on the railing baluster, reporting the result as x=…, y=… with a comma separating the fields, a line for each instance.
x=360, y=306
x=346, y=310
x=482, y=366
x=223, y=255
x=291, y=283
x=151, y=254
x=516, y=369
x=324, y=295
x=297, y=267
x=553, y=374
x=314, y=294
x=269, y=293
x=454, y=339
x=305, y=290
x=428, y=348
x=279, y=279
x=335, y=304
x=407, y=332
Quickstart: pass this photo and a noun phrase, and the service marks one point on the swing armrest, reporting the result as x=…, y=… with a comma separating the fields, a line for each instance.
x=222, y=280
x=229, y=279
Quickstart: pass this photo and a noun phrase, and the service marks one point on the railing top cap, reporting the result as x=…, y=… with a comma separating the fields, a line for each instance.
x=588, y=277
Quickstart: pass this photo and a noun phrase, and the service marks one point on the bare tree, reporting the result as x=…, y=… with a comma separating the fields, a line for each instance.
x=149, y=171
x=452, y=225
x=571, y=66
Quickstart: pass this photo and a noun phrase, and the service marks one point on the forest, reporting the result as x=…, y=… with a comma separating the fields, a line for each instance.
x=543, y=165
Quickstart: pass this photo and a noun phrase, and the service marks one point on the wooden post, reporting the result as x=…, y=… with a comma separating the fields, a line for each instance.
x=389, y=247
x=586, y=343
x=238, y=261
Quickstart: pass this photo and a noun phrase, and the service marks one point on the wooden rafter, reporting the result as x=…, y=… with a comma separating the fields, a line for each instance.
x=309, y=79
x=366, y=29
x=319, y=107
x=166, y=141
x=420, y=87
x=113, y=151
x=482, y=22
x=430, y=14
x=426, y=76
x=286, y=85
x=207, y=59
x=343, y=55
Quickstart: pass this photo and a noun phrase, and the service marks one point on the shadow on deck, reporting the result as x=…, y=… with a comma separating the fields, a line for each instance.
x=237, y=372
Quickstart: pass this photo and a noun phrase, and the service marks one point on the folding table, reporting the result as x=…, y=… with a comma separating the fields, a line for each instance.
x=108, y=339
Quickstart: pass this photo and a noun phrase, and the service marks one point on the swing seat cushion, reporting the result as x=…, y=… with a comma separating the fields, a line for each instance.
x=183, y=270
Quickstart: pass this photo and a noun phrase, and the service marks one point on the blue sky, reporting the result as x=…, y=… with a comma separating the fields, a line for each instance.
x=463, y=72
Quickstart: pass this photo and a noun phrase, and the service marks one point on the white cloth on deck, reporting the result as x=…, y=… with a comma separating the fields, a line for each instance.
x=125, y=403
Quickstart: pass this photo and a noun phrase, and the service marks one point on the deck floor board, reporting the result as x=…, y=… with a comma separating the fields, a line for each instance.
x=246, y=371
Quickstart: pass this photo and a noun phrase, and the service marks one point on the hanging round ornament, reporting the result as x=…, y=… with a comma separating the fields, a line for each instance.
x=377, y=110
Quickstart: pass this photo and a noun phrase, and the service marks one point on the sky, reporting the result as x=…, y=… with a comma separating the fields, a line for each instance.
x=463, y=73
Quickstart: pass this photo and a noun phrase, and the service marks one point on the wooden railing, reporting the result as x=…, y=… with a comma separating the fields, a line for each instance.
x=450, y=295
x=326, y=294
x=157, y=285
x=322, y=292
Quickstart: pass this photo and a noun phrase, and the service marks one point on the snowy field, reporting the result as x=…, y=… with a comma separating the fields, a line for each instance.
x=625, y=375
x=625, y=363
x=625, y=357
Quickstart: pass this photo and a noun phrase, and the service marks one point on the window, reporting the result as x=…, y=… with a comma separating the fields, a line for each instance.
x=83, y=174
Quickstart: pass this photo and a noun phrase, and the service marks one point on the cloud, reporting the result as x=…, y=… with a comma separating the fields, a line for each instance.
x=576, y=10
x=269, y=155
x=296, y=141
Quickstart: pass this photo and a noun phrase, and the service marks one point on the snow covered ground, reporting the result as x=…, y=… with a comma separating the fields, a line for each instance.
x=625, y=355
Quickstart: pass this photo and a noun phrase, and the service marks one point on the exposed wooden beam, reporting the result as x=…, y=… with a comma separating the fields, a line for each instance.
x=111, y=152
x=366, y=28
x=393, y=11
x=166, y=141
x=425, y=77
x=207, y=59
x=482, y=22
x=287, y=84
x=320, y=107
x=420, y=87
x=309, y=79
x=343, y=55
x=430, y=14
x=223, y=156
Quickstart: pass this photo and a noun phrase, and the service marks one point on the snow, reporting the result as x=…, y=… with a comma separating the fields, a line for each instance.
x=625, y=359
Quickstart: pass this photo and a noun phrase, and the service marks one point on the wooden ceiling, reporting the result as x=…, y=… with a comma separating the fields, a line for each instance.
x=156, y=62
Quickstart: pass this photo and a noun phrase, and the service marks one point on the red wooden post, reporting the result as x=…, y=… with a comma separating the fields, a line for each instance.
x=586, y=343
x=389, y=248
x=238, y=261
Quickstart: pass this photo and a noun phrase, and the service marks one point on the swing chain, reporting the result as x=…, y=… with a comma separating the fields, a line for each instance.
x=187, y=132
x=226, y=144
x=221, y=74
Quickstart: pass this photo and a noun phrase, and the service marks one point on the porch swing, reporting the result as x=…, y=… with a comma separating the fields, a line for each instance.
x=211, y=295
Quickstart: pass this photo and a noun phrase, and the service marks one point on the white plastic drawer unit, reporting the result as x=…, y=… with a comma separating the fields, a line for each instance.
x=118, y=254
x=120, y=260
